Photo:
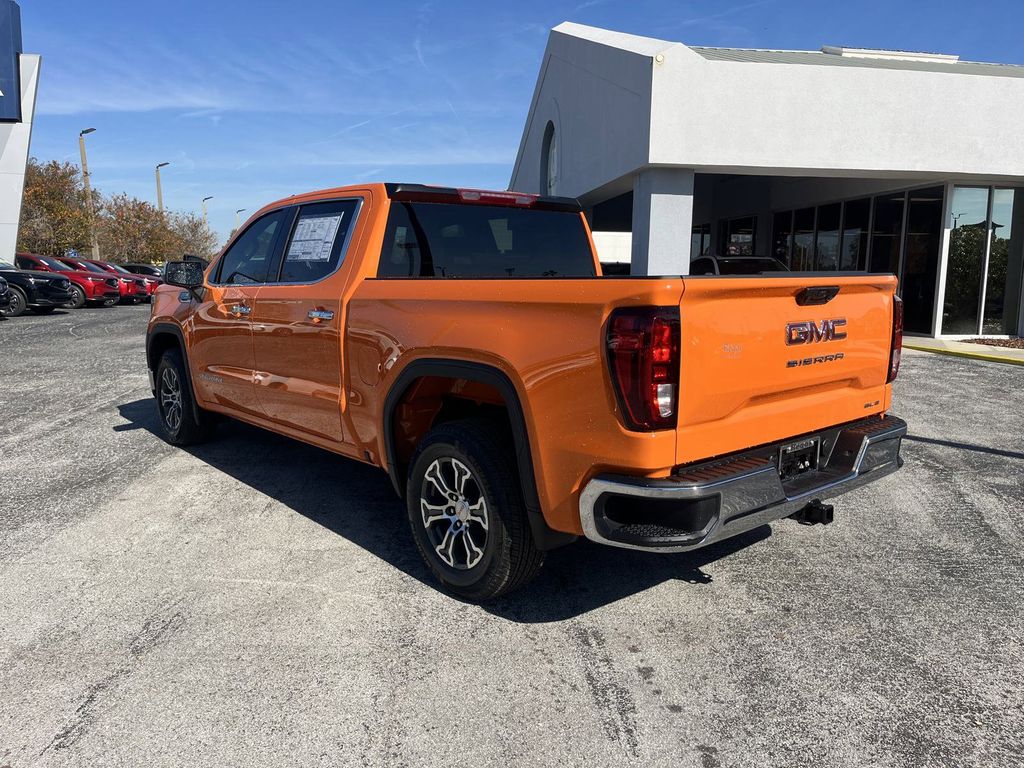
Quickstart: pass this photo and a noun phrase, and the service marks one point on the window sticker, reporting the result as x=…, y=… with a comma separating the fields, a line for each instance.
x=314, y=238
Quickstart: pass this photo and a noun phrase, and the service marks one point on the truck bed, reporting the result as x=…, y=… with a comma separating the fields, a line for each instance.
x=736, y=387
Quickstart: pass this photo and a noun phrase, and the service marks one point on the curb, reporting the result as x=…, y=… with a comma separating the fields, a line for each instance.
x=987, y=356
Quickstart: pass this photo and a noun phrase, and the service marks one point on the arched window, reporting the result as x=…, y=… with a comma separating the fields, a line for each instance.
x=549, y=161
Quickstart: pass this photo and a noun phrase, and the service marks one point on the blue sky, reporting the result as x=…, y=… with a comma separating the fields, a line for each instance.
x=253, y=101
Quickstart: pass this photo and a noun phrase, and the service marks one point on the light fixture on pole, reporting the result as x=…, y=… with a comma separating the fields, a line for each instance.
x=159, y=191
x=210, y=197
x=240, y=210
x=88, y=192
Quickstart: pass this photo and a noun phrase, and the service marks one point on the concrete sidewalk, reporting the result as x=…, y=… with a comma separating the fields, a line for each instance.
x=966, y=349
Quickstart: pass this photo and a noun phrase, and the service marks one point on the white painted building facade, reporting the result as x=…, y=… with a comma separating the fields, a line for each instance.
x=14, y=146
x=839, y=159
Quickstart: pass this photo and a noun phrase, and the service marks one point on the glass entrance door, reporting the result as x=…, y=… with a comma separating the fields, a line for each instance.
x=1005, y=261
x=983, y=274
x=968, y=239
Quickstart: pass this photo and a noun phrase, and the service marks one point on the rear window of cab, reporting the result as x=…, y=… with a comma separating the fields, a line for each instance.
x=445, y=240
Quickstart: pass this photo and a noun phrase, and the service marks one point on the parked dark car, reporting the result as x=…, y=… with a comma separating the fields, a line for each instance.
x=5, y=296
x=150, y=270
x=40, y=292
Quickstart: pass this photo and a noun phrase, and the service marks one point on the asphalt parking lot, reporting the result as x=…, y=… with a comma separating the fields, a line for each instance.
x=258, y=602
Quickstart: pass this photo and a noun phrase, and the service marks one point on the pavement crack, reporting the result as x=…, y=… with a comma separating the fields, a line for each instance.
x=156, y=629
x=611, y=695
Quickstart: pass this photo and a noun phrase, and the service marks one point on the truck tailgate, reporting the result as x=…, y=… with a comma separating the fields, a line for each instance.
x=757, y=366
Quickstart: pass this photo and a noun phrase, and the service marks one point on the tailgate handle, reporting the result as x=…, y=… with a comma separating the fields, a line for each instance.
x=819, y=294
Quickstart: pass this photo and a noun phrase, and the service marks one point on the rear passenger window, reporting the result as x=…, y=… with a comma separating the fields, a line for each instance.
x=248, y=259
x=317, y=244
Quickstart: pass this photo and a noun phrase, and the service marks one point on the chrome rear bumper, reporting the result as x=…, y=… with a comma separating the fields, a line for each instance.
x=704, y=503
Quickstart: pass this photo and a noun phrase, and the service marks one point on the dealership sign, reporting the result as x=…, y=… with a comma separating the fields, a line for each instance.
x=10, y=62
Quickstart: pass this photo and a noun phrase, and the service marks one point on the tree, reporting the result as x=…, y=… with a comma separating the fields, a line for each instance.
x=55, y=220
x=133, y=230
x=54, y=216
x=193, y=235
x=130, y=229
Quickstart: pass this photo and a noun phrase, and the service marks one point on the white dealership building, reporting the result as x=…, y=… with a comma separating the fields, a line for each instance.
x=841, y=159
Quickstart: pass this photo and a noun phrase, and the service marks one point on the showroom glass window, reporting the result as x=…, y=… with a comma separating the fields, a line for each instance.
x=885, y=236
x=803, y=240
x=921, y=246
x=853, y=253
x=782, y=236
x=986, y=261
x=700, y=241
x=826, y=243
x=736, y=236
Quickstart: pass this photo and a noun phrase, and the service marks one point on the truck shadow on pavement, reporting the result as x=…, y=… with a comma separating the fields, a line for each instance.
x=357, y=501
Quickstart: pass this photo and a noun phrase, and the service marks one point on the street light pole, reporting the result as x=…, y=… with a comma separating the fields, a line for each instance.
x=240, y=210
x=204, y=209
x=88, y=192
x=159, y=190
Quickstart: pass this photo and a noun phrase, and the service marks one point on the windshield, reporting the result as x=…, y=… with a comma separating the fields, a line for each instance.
x=119, y=268
x=93, y=268
x=451, y=240
x=5, y=265
x=53, y=263
x=145, y=269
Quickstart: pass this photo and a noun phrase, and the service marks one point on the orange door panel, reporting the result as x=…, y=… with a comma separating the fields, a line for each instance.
x=221, y=348
x=297, y=322
x=298, y=359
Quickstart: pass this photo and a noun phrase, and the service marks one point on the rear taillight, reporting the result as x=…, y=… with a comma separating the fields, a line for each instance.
x=897, y=338
x=643, y=354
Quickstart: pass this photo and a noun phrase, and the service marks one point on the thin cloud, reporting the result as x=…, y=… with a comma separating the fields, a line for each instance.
x=589, y=4
x=722, y=14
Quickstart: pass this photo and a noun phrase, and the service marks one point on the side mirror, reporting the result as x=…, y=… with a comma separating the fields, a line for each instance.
x=184, y=274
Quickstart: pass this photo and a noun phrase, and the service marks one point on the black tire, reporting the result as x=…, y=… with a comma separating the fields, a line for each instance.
x=42, y=310
x=77, y=297
x=174, y=402
x=508, y=558
x=19, y=303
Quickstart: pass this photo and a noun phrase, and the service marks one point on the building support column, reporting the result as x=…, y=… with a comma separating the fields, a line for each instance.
x=662, y=221
x=942, y=271
x=14, y=142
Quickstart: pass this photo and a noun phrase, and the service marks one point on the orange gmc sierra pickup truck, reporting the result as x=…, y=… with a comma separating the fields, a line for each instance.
x=466, y=342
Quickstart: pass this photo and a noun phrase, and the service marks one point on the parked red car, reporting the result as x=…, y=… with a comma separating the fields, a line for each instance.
x=132, y=287
x=87, y=286
x=151, y=283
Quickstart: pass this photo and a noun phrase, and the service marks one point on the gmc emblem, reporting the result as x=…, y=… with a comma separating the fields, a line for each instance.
x=810, y=332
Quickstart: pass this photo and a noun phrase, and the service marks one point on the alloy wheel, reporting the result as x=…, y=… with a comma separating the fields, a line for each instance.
x=454, y=513
x=170, y=398
x=17, y=306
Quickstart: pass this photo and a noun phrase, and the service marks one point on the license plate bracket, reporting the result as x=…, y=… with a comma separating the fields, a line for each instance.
x=799, y=457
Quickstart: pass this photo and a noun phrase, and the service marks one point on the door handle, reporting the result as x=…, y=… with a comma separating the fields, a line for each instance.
x=240, y=309
x=316, y=315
